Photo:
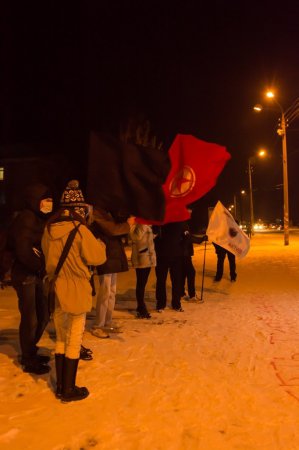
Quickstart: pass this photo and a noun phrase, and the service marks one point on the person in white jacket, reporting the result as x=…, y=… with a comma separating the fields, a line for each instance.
x=143, y=258
x=73, y=291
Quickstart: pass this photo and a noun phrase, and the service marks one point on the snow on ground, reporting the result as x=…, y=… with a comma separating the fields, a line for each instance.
x=222, y=375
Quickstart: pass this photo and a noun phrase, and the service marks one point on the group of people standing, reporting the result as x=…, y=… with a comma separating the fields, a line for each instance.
x=72, y=246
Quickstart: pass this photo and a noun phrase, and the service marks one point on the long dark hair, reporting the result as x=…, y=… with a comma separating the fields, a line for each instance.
x=64, y=215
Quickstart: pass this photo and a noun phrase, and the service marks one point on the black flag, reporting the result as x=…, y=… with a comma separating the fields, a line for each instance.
x=126, y=178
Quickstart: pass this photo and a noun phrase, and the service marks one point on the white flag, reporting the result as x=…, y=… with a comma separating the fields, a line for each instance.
x=224, y=231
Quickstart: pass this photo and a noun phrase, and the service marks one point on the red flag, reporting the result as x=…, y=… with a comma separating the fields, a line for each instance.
x=195, y=167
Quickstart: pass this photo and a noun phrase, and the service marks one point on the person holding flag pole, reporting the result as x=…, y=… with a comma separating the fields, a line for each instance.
x=227, y=237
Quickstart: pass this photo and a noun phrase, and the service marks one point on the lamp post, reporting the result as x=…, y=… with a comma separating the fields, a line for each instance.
x=283, y=134
x=281, y=131
x=250, y=196
x=261, y=154
x=235, y=206
x=243, y=192
x=286, y=117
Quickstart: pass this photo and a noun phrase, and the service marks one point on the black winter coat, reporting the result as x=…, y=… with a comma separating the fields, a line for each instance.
x=105, y=227
x=26, y=233
x=188, y=242
x=169, y=243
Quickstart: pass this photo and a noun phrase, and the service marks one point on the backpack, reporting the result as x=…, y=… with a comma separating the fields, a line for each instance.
x=6, y=257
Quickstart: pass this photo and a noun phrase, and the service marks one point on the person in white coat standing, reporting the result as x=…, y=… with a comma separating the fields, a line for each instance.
x=73, y=291
x=143, y=258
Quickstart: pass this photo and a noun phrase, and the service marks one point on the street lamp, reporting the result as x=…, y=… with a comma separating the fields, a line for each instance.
x=286, y=118
x=236, y=207
x=243, y=193
x=261, y=154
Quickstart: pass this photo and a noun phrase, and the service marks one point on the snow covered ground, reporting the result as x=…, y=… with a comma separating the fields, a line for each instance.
x=222, y=375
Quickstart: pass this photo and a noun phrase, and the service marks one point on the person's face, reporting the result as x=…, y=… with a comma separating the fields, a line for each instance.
x=46, y=205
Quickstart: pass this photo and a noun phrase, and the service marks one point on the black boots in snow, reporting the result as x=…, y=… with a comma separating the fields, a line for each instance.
x=59, y=363
x=70, y=392
x=66, y=371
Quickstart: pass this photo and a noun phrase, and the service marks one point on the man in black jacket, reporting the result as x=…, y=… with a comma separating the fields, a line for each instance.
x=27, y=274
x=169, y=246
x=188, y=270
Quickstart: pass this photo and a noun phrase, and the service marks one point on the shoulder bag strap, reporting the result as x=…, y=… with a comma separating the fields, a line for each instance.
x=66, y=249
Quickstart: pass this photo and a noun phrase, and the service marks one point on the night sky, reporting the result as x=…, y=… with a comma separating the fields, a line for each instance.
x=188, y=66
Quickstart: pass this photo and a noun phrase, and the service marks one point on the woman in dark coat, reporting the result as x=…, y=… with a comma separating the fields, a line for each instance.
x=27, y=275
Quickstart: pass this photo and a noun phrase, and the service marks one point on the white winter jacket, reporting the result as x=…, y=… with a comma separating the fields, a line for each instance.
x=143, y=248
x=72, y=287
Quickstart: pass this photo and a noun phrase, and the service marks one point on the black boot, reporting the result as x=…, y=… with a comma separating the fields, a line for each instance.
x=42, y=359
x=71, y=392
x=85, y=354
x=32, y=365
x=143, y=315
x=142, y=312
x=59, y=362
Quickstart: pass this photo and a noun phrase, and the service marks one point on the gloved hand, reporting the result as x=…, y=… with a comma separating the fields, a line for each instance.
x=205, y=238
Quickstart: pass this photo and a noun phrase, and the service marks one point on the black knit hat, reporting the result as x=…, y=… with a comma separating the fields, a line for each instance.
x=72, y=197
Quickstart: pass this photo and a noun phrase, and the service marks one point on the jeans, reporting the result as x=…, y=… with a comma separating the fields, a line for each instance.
x=69, y=332
x=33, y=307
x=105, y=286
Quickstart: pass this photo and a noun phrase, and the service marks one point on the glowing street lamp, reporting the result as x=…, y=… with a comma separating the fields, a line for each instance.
x=286, y=118
x=243, y=193
x=261, y=153
x=236, y=208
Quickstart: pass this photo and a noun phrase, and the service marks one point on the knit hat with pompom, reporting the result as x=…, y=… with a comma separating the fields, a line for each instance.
x=72, y=197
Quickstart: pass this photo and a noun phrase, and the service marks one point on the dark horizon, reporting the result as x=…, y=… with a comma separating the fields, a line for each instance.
x=188, y=68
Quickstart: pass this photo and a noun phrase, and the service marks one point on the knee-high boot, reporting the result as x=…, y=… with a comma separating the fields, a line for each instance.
x=71, y=392
x=59, y=363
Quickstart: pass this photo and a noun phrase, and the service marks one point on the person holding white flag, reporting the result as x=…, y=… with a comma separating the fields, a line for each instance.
x=229, y=238
x=221, y=254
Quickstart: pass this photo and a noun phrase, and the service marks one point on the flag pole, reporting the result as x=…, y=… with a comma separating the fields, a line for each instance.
x=203, y=272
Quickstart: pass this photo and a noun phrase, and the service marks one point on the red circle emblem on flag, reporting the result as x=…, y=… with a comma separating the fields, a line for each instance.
x=182, y=183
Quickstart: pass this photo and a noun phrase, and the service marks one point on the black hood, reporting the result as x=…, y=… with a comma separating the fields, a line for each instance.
x=34, y=194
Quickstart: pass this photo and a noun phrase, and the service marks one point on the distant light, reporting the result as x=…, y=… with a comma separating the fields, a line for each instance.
x=258, y=108
x=243, y=192
x=1, y=173
x=270, y=94
x=262, y=152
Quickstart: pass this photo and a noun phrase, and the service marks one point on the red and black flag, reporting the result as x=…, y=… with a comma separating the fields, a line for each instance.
x=195, y=167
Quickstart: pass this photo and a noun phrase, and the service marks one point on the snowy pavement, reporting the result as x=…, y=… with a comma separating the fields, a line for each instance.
x=222, y=375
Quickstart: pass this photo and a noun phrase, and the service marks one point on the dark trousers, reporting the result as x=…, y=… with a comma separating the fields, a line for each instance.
x=142, y=275
x=34, y=315
x=174, y=266
x=220, y=263
x=189, y=274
